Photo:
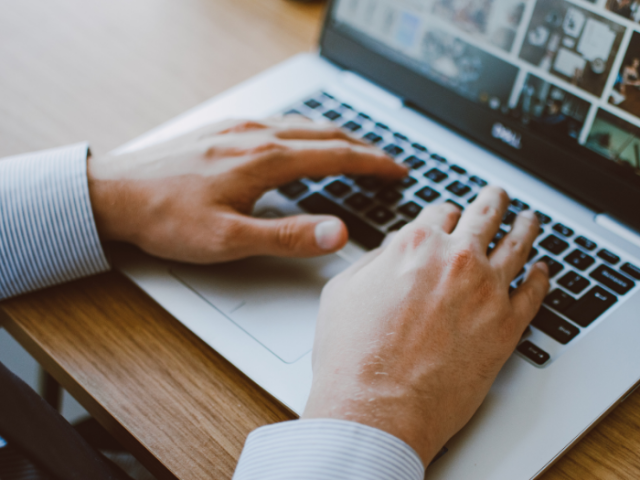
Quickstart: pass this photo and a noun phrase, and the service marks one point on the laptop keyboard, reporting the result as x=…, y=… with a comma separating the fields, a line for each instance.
x=586, y=279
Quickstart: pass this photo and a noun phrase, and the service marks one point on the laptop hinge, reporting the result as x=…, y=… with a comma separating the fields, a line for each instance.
x=618, y=228
x=371, y=90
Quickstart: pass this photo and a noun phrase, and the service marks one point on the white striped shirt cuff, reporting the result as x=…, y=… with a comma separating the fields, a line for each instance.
x=47, y=230
x=326, y=450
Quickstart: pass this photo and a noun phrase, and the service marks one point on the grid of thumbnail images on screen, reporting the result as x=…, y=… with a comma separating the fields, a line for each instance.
x=569, y=69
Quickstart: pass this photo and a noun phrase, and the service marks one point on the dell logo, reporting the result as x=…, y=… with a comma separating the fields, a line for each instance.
x=506, y=135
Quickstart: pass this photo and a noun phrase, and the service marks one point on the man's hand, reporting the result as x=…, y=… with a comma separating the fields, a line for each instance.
x=411, y=338
x=190, y=199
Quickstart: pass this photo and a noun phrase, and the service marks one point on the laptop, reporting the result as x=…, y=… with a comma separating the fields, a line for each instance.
x=540, y=97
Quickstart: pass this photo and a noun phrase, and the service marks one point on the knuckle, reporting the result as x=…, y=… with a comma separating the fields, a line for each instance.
x=416, y=235
x=272, y=149
x=515, y=246
x=287, y=237
x=463, y=259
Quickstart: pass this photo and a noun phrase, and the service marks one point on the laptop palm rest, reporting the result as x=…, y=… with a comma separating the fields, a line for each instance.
x=273, y=300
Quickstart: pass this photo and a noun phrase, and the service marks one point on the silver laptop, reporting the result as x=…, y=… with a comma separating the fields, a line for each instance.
x=540, y=97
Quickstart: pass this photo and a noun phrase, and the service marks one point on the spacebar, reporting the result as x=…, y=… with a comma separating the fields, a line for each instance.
x=359, y=230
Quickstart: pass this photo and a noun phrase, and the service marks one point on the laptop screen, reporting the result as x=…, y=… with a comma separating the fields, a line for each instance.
x=566, y=72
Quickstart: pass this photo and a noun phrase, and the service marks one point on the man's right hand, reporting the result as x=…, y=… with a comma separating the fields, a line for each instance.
x=411, y=338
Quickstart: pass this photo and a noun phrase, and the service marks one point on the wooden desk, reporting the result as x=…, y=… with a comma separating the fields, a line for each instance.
x=107, y=71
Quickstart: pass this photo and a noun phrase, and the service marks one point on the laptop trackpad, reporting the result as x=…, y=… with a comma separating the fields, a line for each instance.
x=274, y=300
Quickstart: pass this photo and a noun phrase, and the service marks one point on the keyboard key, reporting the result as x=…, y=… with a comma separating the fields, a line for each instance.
x=313, y=104
x=393, y=150
x=574, y=283
x=414, y=162
x=612, y=279
x=592, y=304
x=338, y=188
x=456, y=204
x=554, y=244
x=472, y=199
x=554, y=267
x=420, y=148
x=478, y=181
x=293, y=111
x=332, y=115
x=542, y=218
x=293, y=190
x=499, y=236
x=352, y=126
x=562, y=230
x=400, y=136
x=586, y=243
x=411, y=209
x=559, y=300
x=580, y=260
x=509, y=218
x=358, y=201
x=382, y=126
x=608, y=257
x=519, y=204
x=436, y=175
x=347, y=106
x=458, y=169
x=359, y=230
x=428, y=194
x=533, y=353
x=370, y=183
x=406, y=182
x=380, y=215
x=397, y=226
x=631, y=270
x=373, y=138
x=532, y=254
x=364, y=116
x=317, y=179
x=389, y=196
x=438, y=158
x=554, y=326
x=328, y=96
x=459, y=189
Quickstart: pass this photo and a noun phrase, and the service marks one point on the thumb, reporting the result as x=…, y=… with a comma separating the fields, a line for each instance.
x=298, y=236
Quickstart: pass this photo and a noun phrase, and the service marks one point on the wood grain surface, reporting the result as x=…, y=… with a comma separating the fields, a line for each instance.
x=106, y=71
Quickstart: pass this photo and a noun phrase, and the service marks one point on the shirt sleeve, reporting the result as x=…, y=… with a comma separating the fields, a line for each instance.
x=47, y=230
x=326, y=450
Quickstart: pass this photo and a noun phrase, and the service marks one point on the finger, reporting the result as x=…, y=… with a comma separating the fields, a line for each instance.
x=291, y=120
x=513, y=251
x=316, y=132
x=528, y=298
x=224, y=127
x=243, y=126
x=481, y=221
x=444, y=216
x=299, y=236
x=294, y=159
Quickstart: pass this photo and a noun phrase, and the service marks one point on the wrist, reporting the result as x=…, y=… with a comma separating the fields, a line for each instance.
x=390, y=410
x=107, y=197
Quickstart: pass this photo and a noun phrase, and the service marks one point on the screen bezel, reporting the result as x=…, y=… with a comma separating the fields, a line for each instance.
x=581, y=173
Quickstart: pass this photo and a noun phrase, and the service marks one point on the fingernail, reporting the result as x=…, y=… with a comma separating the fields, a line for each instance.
x=329, y=234
x=542, y=266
